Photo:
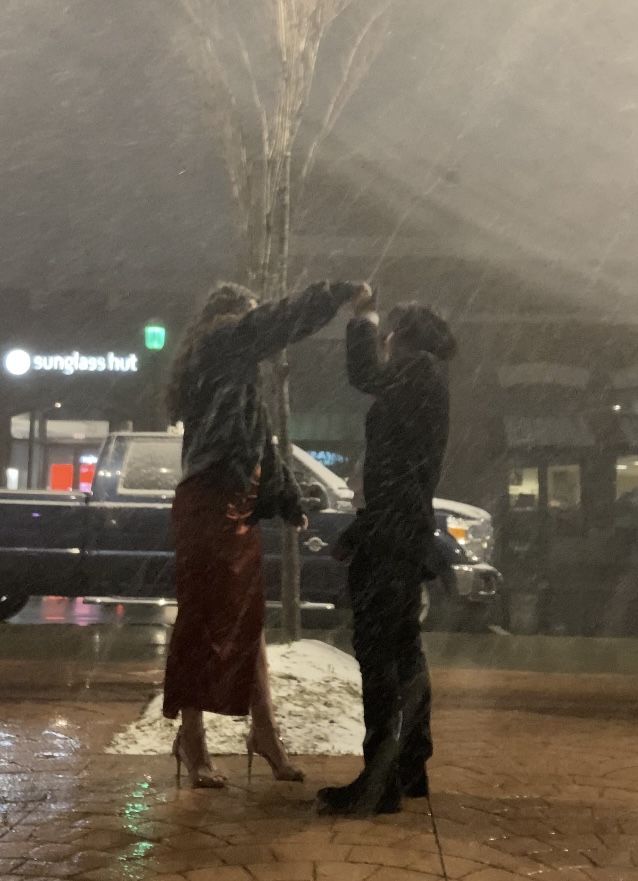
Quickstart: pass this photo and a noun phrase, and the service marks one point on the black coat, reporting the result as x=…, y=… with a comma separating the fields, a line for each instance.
x=227, y=430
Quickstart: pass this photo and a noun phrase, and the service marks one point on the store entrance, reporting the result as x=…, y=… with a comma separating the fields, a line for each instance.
x=52, y=453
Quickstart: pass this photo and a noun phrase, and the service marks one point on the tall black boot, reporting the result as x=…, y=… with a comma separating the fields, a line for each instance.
x=415, y=783
x=362, y=797
x=416, y=738
x=377, y=790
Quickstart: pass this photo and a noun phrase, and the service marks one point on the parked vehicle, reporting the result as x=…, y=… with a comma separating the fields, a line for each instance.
x=114, y=542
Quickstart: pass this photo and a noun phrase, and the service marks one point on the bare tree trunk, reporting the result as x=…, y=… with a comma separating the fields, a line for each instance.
x=290, y=561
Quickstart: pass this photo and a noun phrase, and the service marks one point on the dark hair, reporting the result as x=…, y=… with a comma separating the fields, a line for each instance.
x=225, y=303
x=419, y=329
x=227, y=299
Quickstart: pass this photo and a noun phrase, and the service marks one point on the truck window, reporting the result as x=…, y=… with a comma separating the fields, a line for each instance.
x=151, y=466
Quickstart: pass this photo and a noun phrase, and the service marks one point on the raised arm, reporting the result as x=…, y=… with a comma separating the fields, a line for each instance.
x=271, y=327
x=365, y=370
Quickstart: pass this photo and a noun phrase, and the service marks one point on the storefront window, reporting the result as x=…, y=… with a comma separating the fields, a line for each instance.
x=564, y=499
x=87, y=472
x=555, y=489
x=61, y=476
x=626, y=476
x=524, y=488
x=58, y=454
x=563, y=487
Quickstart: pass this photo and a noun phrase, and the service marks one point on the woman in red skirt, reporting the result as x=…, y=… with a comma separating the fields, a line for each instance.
x=232, y=476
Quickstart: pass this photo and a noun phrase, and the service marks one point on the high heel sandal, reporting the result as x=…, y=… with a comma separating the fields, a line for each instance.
x=282, y=769
x=198, y=780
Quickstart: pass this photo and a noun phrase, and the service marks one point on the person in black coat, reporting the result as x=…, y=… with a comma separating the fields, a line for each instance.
x=393, y=546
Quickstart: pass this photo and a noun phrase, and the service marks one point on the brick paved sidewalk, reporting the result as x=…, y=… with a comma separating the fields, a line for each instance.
x=542, y=792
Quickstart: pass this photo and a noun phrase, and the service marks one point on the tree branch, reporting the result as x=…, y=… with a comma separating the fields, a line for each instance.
x=347, y=85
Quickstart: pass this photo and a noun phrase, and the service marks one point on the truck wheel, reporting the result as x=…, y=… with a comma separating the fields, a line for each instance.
x=475, y=619
x=12, y=601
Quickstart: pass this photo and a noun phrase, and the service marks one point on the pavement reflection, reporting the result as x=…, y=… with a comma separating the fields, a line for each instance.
x=62, y=610
x=58, y=628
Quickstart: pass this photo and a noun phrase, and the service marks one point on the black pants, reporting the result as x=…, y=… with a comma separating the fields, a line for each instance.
x=385, y=591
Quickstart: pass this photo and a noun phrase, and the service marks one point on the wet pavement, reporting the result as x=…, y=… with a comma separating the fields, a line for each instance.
x=535, y=774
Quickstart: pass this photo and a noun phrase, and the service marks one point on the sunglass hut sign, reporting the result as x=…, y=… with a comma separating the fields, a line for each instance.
x=19, y=362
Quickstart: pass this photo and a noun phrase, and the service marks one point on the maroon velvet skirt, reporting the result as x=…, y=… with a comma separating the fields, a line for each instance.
x=220, y=600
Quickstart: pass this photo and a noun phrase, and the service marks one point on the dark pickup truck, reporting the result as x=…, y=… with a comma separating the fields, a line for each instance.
x=114, y=542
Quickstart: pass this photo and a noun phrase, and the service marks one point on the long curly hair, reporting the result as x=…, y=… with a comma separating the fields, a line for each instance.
x=226, y=303
x=418, y=328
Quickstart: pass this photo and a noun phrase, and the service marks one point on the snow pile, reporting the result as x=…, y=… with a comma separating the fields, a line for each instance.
x=317, y=695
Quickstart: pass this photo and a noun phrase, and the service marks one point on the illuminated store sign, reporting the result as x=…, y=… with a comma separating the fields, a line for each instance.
x=155, y=336
x=19, y=362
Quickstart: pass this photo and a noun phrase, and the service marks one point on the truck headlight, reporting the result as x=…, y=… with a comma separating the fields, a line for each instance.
x=476, y=538
x=458, y=529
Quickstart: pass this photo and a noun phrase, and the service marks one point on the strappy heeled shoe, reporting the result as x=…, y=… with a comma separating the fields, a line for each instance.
x=280, y=765
x=202, y=774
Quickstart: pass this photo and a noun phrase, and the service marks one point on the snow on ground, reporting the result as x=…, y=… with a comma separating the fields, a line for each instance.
x=317, y=695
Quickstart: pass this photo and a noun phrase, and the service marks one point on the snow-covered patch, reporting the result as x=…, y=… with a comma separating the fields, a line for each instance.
x=317, y=695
